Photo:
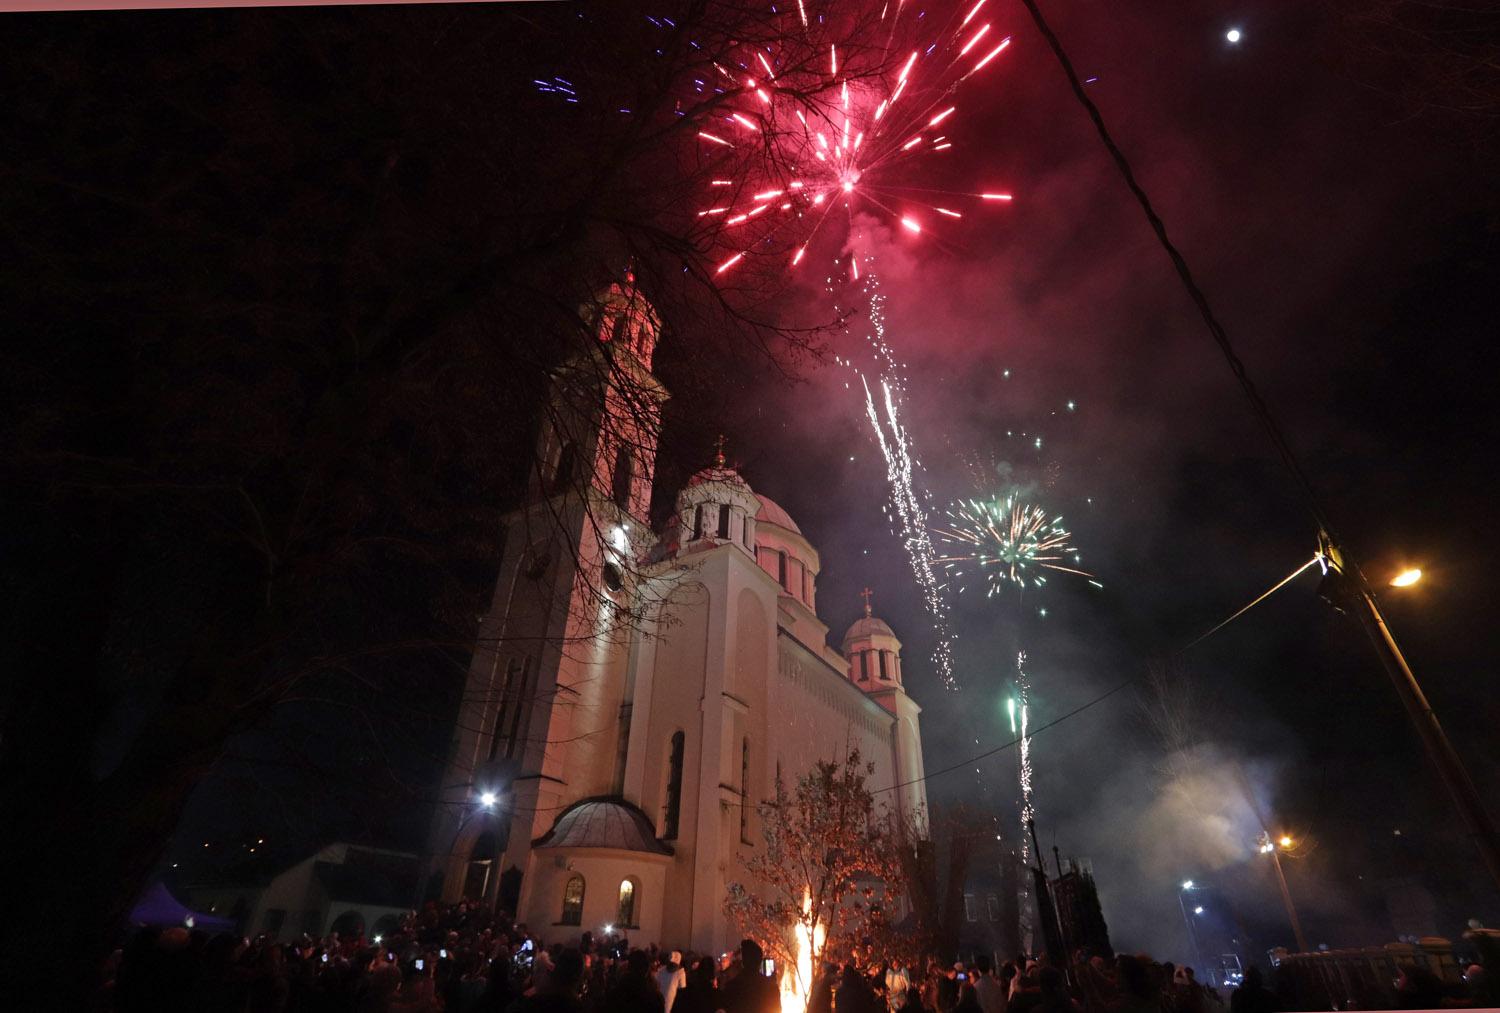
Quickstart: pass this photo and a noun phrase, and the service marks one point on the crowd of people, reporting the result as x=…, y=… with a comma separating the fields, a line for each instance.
x=462, y=958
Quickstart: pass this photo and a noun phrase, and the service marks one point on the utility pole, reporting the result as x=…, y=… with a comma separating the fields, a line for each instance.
x=1450, y=768
x=1191, y=928
x=1269, y=846
x=1353, y=591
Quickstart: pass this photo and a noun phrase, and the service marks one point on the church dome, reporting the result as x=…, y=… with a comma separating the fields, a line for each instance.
x=718, y=474
x=714, y=507
x=784, y=552
x=771, y=513
x=603, y=823
x=873, y=651
x=868, y=626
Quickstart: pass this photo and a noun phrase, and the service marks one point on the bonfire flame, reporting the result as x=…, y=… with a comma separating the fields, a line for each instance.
x=796, y=983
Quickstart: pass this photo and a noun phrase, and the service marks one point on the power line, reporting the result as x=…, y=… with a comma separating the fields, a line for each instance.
x=1264, y=595
x=1013, y=742
x=1215, y=329
x=1445, y=759
x=1111, y=692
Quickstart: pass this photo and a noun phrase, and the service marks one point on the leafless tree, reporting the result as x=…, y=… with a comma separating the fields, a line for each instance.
x=297, y=287
x=1435, y=57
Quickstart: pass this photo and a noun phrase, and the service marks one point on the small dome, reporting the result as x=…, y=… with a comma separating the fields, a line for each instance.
x=771, y=513
x=717, y=474
x=867, y=626
x=603, y=823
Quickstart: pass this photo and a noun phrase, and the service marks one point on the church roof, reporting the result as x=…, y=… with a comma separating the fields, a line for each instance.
x=603, y=823
x=771, y=513
x=866, y=626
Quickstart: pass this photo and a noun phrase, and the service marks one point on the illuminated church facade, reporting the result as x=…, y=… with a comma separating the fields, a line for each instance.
x=634, y=695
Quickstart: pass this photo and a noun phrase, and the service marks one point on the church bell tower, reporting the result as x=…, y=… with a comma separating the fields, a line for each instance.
x=538, y=719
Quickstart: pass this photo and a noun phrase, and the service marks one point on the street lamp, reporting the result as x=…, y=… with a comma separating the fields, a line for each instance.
x=1267, y=847
x=1348, y=588
x=1407, y=577
x=1187, y=884
x=488, y=799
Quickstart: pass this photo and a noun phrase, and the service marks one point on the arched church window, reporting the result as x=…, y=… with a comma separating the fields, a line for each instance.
x=746, y=534
x=624, y=473
x=572, y=905
x=674, y=787
x=507, y=703
x=519, y=710
x=567, y=463
x=744, y=788
x=625, y=915
x=723, y=521
x=781, y=569
x=864, y=666
x=883, y=655
x=617, y=332
x=698, y=522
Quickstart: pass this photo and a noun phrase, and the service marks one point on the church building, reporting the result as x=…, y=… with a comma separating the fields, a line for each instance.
x=634, y=695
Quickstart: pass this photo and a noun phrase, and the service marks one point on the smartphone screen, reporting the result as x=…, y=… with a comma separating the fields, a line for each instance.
x=325, y=958
x=421, y=964
x=443, y=954
x=768, y=966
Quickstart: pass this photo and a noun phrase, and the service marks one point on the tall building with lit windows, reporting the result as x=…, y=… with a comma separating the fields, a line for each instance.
x=634, y=694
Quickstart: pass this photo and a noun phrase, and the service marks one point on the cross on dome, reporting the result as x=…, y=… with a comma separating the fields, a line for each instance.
x=866, y=594
x=719, y=451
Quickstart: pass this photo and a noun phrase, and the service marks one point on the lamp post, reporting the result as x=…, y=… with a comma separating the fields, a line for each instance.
x=1274, y=849
x=1350, y=590
x=1187, y=885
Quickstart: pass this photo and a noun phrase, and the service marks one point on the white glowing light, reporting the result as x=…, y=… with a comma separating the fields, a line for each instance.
x=908, y=508
x=1233, y=35
x=489, y=798
x=1028, y=809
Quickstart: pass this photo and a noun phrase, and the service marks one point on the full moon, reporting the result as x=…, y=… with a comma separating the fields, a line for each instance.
x=1233, y=35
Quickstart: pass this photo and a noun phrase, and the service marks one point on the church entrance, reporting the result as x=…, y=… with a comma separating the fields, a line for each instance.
x=482, y=860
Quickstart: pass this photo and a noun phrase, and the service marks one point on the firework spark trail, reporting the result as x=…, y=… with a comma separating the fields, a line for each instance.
x=907, y=507
x=1028, y=808
x=913, y=518
x=823, y=121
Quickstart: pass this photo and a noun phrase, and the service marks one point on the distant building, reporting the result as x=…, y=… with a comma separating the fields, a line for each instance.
x=1078, y=912
x=991, y=918
x=344, y=888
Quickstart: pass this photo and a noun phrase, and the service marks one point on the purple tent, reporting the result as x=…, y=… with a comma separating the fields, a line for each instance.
x=157, y=906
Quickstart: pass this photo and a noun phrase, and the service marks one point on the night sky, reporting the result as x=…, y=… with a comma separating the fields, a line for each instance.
x=1349, y=247
x=1346, y=235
